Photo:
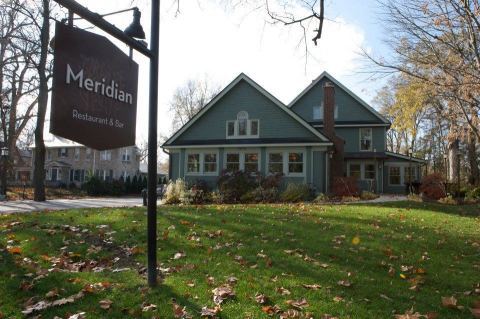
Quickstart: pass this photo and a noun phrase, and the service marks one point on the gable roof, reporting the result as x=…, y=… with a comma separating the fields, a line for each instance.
x=343, y=87
x=406, y=157
x=244, y=77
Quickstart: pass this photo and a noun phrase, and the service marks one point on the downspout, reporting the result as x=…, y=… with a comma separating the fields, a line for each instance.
x=169, y=163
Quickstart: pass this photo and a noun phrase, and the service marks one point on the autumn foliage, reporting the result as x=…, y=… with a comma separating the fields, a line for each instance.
x=433, y=186
x=345, y=186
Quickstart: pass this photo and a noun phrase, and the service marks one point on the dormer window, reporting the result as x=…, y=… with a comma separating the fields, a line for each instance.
x=243, y=127
x=318, y=112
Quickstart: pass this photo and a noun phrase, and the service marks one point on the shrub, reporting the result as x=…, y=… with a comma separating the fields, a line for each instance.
x=321, y=198
x=271, y=181
x=433, y=186
x=94, y=186
x=368, y=195
x=233, y=185
x=261, y=195
x=116, y=188
x=473, y=195
x=296, y=193
x=345, y=186
x=449, y=200
x=414, y=198
x=198, y=193
x=175, y=192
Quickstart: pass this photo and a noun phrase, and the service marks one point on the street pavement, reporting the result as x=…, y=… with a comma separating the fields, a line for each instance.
x=24, y=206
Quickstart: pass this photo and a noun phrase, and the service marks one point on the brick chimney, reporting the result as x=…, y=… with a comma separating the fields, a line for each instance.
x=337, y=159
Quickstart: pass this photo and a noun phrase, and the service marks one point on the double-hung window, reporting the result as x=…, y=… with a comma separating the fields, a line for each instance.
x=243, y=127
x=63, y=152
x=275, y=163
x=209, y=162
x=355, y=170
x=193, y=163
x=233, y=162
x=409, y=174
x=105, y=155
x=318, y=111
x=394, y=175
x=369, y=171
x=251, y=162
x=202, y=163
x=365, y=139
x=76, y=153
x=126, y=155
x=295, y=163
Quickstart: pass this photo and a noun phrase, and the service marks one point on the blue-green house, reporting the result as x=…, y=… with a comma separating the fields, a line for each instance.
x=325, y=131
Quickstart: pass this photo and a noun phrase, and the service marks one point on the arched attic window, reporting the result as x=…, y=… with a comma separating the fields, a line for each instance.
x=242, y=127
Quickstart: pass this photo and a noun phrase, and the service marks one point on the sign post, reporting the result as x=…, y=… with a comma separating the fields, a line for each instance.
x=151, y=53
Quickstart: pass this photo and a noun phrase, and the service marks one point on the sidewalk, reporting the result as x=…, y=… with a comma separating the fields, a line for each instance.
x=23, y=206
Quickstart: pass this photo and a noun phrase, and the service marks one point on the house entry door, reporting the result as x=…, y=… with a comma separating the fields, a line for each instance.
x=54, y=174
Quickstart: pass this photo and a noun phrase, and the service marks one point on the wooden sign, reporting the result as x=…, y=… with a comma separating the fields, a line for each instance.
x=94, y=95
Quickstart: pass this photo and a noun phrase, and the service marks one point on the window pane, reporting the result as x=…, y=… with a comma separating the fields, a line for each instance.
x=242, y=127
x=295, y=168
x=210, y=163
x=275, y=168
x=233, y=167
x=295, y=162
x=209, y=158
x=251, y=162
x=369, y=171
x=193, y=164
x=230, y=128
x=355, y=170
x=254, y=127
x=394, y=175
x=295, y=157
x=233, y=158
x=365, y=139
x=275, y=157
x=409, y=174
x=317, y=112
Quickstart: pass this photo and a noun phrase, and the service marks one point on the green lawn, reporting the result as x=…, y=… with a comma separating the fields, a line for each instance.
x=387, y=258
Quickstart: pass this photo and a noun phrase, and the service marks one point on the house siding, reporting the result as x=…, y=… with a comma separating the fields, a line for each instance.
x=351, y=136
x=274, y=122
x=349, y=109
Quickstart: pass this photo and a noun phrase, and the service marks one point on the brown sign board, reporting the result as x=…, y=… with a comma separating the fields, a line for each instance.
x=94, y=95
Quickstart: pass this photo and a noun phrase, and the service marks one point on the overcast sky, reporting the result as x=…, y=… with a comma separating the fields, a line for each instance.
x=208, y=40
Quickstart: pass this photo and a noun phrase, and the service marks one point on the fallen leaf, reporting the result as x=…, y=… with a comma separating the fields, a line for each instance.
x=209, y=312
x=179, y=255
x=80, y=315
x=221, y=293
x=261, y=298
x=283, y=291
x=312, y=287
x=450, y=302
x=15, y=250
x=298, y=304
x=344, y=283
x=179, y=312
x=105, y=304
x=148, y=307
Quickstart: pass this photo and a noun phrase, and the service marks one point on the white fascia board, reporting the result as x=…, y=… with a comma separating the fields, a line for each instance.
x=168, y=147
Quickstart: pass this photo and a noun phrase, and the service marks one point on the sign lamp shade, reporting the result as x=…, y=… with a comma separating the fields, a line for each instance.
x=135, y=29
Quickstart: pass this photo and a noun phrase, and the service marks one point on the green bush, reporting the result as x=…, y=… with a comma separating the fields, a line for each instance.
x=94, y=186
x=473, y=195
x=197, y=193
x=233, y=185
x=175, y=192
x=296, y=193
x=365, y=195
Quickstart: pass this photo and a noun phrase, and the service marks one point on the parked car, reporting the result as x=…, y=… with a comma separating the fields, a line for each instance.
x=160, y=193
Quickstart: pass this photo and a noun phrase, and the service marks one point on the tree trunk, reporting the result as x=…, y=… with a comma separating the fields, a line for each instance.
x=474, y=178
x=452, y=160
x=39, y=154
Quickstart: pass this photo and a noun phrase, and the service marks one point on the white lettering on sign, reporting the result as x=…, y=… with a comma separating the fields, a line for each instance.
x=100, y=87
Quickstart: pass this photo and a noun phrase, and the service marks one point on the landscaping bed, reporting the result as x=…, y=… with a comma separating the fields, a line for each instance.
x=245, y=261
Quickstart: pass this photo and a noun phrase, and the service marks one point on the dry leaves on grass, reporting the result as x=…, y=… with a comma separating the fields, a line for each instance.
x=344, y=283
x=312, y=287
x=148, y=307
x=43, y=304
x=221, y=293
x=261, y=298
x=411, y=314
x=210, y=312
x=475, y=310
x=180, y=312
x=298, y=304
x=283, y=291
x=451, y=302
x=105, y=304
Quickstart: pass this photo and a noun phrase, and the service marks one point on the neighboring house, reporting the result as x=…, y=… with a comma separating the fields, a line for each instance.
x=325, y=131
x=161, y=172
x=68, y=162
x=21, y=172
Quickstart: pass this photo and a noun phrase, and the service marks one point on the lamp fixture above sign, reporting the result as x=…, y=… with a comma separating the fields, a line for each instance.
x=94, y=96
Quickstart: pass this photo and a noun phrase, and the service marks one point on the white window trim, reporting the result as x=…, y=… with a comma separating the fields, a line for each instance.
x=401, y=177
x=236, y=129
x=285, y=153
x=360, y=139
x=202, y=161
x=242, y=157
x=362, y=169
x=402, y=167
